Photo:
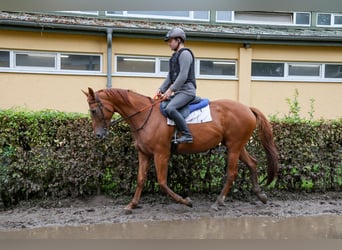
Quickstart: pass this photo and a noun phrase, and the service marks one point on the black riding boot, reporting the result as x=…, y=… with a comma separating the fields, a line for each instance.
x=182, y=127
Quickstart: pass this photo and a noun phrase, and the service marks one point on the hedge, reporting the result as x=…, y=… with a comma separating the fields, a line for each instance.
x=50, y=154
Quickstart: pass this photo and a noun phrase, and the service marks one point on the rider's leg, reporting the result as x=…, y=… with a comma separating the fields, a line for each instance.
x=177, y=102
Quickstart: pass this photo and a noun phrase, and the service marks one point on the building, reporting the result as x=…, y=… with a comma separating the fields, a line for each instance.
x=257, y=58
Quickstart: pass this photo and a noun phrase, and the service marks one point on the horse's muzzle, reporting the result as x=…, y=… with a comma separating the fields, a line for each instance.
x=100, y=133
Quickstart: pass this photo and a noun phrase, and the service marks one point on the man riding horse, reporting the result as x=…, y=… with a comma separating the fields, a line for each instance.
x=179, y=86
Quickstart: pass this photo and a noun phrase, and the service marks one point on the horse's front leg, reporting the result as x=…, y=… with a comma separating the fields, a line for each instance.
x=161, y=164
x=144, y=164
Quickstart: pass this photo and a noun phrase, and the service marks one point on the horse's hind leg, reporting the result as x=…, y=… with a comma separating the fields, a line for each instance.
x=252, y=165
x=232, y=171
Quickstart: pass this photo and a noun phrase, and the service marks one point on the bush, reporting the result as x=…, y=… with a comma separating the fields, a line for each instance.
x=51, y=154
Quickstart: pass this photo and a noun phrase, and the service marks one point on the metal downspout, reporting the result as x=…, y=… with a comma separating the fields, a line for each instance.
x=109, y=57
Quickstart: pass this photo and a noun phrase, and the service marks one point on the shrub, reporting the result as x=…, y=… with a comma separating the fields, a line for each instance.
x=49, y=154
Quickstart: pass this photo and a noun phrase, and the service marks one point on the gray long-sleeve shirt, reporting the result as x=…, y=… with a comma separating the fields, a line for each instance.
x=180, y=84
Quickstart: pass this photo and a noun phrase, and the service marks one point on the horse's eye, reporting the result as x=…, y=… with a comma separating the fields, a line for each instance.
x=93, y=111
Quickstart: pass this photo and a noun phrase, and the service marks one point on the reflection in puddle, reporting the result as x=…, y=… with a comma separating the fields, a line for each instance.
x=311, y=227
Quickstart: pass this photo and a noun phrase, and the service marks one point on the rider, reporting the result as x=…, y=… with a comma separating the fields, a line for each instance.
x=180, y=82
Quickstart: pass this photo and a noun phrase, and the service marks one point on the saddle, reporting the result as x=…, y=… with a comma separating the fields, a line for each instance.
x=197, y=111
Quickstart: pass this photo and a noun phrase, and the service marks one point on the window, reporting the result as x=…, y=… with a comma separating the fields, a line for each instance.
x=80, y=62
x=304, y=70
x=81, y=12
x=135, y=64
x=33, y=61
x=296, y=71
x=183, y=15
x=4, y=58
x=164, y=65
x=217, y=68
x=323, y=19
x=329, y=19
x=159, y=66
x=268, y=69
x=338, y=19
x=224, y=16
x=264, y=17
x=302, y=18
x=333, y=71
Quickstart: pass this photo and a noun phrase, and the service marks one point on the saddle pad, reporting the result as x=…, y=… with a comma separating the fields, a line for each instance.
x=199, y=116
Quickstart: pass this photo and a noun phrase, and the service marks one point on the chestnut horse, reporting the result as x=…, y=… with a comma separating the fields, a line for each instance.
x=232, y=125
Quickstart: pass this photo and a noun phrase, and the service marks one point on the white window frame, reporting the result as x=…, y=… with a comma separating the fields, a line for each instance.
x=159, y=73
x=233, y=20
x=190, y=17
x=303, y=64
x=60, y=54
x=91, y=13
x=332, y=19
x=287, y=77
x=223, y=61
x=156, y=72
x=34, y=68
x=48, y=70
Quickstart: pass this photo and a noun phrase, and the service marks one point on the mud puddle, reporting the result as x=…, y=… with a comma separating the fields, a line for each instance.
x=304, y=227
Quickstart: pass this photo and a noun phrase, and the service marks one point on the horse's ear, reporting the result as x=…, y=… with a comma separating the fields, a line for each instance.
x=85, y=93
x=91, y=93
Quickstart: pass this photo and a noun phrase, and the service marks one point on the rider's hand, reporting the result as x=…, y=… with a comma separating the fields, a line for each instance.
x=167, y=94
x=158, y=94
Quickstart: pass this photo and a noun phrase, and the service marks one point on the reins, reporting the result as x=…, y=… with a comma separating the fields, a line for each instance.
x=117, y=121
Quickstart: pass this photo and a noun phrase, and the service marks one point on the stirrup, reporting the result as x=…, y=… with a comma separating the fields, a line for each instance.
x=183, y=139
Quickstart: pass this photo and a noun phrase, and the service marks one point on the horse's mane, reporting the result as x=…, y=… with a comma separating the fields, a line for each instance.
x=123, y=94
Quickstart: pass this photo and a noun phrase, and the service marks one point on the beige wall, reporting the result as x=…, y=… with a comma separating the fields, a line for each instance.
x=63, y=92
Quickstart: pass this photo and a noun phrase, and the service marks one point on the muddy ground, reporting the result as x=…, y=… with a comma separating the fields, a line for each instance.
x=105, y=209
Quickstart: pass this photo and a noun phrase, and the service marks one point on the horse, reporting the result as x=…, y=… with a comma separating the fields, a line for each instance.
x=232, y=125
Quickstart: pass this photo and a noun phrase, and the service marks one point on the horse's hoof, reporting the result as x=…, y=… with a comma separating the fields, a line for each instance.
x=127, y=211
x=188, y=202
x=262, y=197
x=214, y=207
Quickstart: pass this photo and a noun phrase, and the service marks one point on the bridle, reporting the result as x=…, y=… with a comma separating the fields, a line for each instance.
x=106, y=126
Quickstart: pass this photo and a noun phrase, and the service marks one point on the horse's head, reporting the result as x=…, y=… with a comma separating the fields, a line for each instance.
x=100, y=114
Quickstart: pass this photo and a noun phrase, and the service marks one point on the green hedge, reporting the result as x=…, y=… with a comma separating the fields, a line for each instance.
x=51, y=154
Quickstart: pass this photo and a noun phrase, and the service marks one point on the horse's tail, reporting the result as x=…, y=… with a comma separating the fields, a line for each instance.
x=266, y=136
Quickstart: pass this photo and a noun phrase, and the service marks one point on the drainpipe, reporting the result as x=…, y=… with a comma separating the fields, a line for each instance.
x=109, y=57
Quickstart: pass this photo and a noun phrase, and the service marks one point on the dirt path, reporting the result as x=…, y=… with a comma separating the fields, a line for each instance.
x=103, y=209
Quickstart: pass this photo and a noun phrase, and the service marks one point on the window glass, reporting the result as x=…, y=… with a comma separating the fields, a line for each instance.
x=114, y=12
x=338, y=20
x=4, y=59
x=161, y=13
x=304, y=70
x=220, y=68
x=80, y=62
x=303, y=18
x=333, y=71
x=43, y=60
x=323, y=19
x=268, y=69
x=201, y=15
x=164, y=65
x=135, y=64
x=263, y=17
x=224, y=15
